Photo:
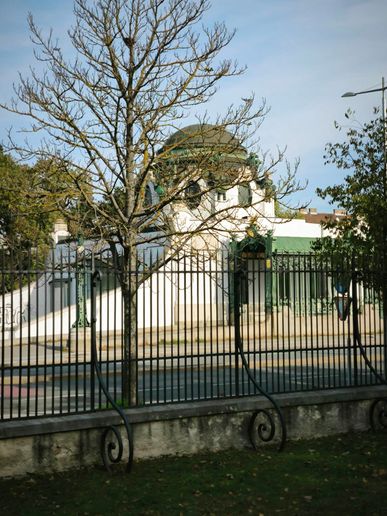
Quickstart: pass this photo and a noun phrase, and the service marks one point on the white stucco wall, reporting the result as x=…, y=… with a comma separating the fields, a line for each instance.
x=293, y=228
x=176, y=293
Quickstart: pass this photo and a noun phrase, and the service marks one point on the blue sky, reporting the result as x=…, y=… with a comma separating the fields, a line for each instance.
x=301, y=56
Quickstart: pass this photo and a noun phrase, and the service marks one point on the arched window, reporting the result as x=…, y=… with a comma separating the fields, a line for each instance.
x=193, y=195
x=245, y=195
x=221, y=195
x=148, y=201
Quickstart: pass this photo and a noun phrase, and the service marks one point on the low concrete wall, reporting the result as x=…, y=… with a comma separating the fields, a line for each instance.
x=60, y=443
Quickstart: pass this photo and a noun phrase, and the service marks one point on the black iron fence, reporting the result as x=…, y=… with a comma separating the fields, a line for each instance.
x=199, y=321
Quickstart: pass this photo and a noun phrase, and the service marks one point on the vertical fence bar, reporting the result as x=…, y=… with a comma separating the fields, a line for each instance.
x=105, y=312
x=2, y=329
x=145, y=312
x=27, y=390
x=178, y=310
x=237, y=320
x=355, y=312
x=242, y=318
x=302, y=310
x=217, y=324
x=12, y=288
x=134, y=267
x=210, y=304
x=45, y=364
x=193, y=279
x=93, y=316
x=255, y=314
x=158, y=330
x=383, y=296
x=36, y=336
x=166, y=283
x=70, y=363
x=88, y=281
x=59, y=282
x=117, y=315
x=293, y=312
x=230, y=322
x=199, y=275
x=205, y=368
x=185, y=329
x=262, y=335
x=225, y=315
x=174, y=325
x=151, y=279
x=52, y=314
x=20, y=355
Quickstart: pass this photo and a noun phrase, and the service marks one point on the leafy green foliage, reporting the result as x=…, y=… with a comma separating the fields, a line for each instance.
x=24, y=217
x=25, y=221
x=32, y=199
x=361, y=235
x=283, y=212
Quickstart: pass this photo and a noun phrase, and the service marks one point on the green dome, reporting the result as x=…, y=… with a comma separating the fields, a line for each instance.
x=198, y=138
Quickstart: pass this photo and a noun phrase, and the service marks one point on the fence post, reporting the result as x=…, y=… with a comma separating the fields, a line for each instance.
x=384, y=315
x=93, y=334
x=237, y=318
x=355, y=323
x=269, y=274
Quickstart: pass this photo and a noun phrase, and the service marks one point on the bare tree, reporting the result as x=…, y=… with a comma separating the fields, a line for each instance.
x=141, y=67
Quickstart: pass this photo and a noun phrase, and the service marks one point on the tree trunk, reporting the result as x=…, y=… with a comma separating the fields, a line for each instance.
x=384, y=306
x=129, y=287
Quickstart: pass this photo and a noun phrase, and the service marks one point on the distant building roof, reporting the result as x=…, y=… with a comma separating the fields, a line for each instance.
x=311, y=215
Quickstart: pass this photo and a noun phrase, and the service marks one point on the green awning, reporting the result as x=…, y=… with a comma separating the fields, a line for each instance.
x=293, y=244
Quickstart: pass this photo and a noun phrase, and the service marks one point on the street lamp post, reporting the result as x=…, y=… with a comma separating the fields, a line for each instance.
x=81, y=324
x=81, y=318
x=382, y=89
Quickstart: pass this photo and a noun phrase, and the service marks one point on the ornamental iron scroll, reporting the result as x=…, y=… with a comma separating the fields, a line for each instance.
x=378, y=409
x=112, y=447
x=378, y=414
x=262, y=421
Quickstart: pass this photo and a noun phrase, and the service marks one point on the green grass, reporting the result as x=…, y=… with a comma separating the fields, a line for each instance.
x=344, y=475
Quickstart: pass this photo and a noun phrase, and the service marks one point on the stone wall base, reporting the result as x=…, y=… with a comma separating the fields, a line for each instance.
x=61, y=443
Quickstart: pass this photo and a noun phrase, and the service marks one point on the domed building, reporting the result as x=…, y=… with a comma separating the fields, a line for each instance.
x=214, y=174
x=218, y=178
x=195, y=140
